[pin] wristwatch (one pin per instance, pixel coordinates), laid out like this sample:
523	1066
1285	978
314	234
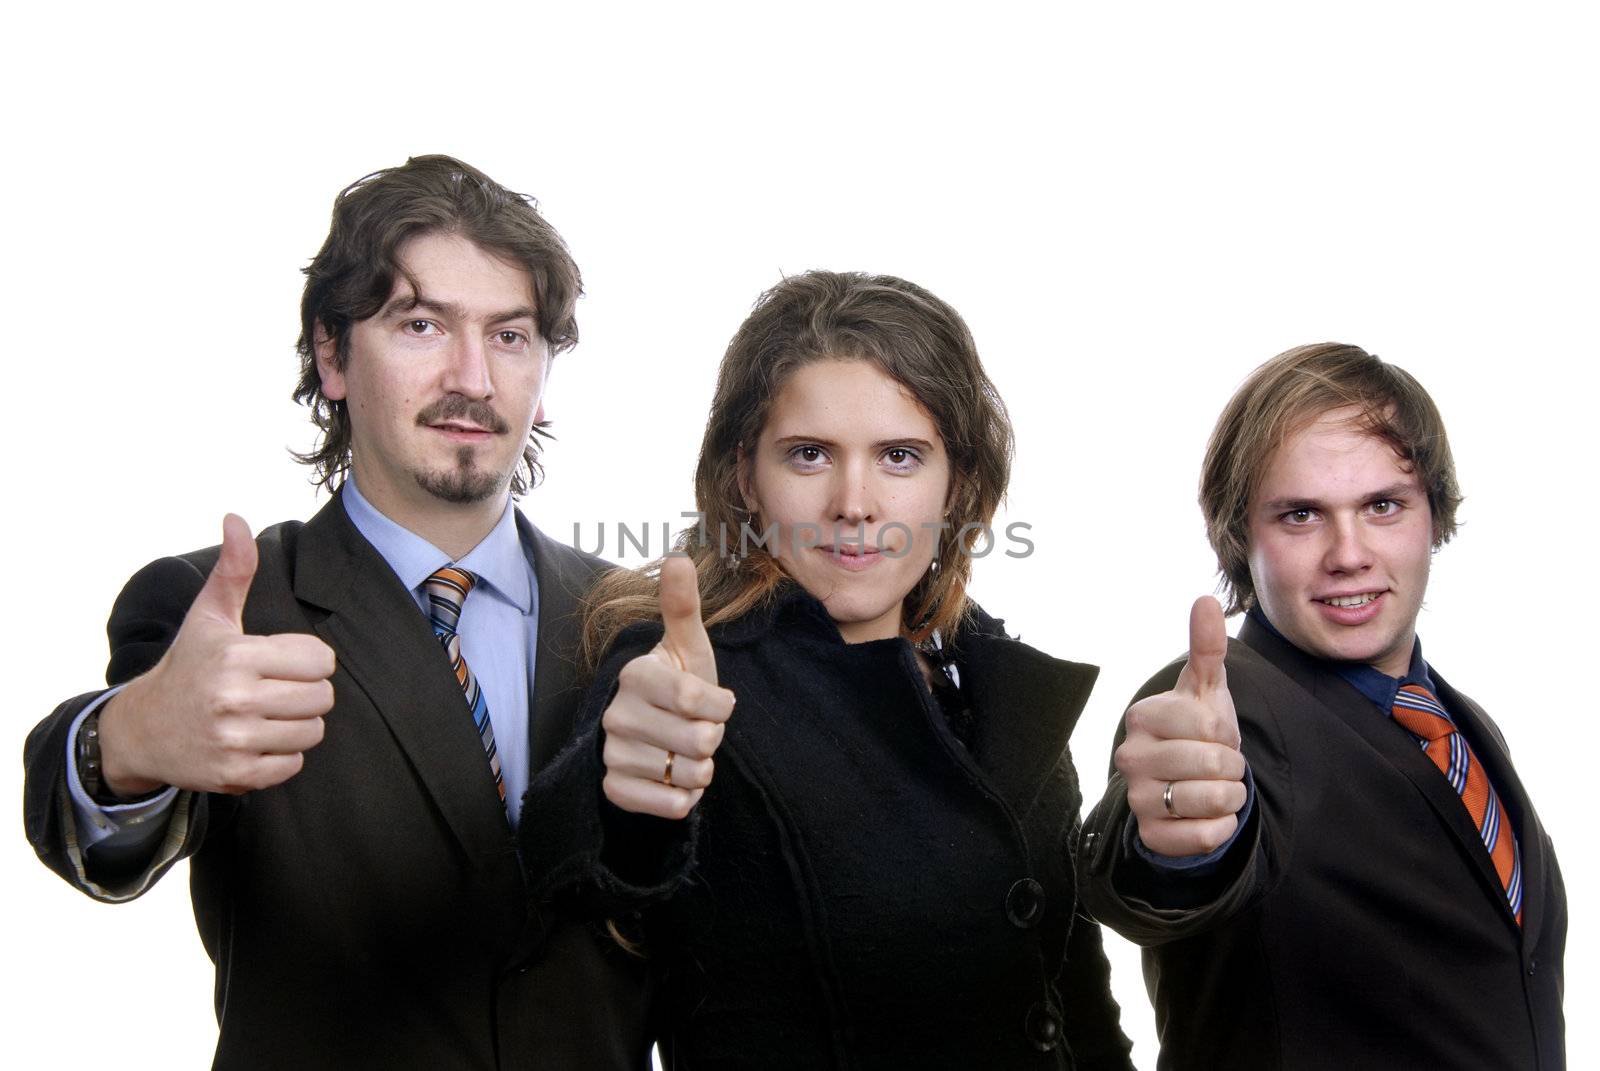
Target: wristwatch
88	752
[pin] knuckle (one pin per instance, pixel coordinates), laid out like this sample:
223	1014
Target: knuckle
632	671
685	693
707	737
1137	717
616	720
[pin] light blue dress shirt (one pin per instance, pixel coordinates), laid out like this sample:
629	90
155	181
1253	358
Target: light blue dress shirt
499	631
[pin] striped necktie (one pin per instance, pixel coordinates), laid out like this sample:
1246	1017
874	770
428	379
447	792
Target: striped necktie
1421	713
447	590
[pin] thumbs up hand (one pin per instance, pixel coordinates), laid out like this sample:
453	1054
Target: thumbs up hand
668	715
221	711
1180	756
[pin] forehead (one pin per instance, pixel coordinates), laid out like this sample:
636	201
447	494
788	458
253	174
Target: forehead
1332	456
845	398
452	268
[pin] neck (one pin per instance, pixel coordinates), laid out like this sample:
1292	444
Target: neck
453	527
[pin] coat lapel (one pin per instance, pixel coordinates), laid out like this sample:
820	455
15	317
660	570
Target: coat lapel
384	643
1394	746
1030	703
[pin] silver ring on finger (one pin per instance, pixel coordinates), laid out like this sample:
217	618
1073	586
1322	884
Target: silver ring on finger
666	774
1166	798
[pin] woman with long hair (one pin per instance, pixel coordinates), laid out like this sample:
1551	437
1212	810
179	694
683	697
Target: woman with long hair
837	818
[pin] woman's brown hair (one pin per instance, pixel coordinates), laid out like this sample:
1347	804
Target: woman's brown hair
915	339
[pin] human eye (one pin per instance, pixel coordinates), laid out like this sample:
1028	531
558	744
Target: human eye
902	458
1297	518
511	338
807	456
420	328
1384	507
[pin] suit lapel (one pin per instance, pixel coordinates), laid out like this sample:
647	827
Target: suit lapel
384	643
1393	744
564	577
1490	750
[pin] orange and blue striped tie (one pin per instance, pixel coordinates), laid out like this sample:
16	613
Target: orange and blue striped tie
1424	717
446	590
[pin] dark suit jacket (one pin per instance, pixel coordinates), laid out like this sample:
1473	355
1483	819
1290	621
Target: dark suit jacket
370	911
1357	921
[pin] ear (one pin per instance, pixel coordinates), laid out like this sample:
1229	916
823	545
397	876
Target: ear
747	489
952	496
332	376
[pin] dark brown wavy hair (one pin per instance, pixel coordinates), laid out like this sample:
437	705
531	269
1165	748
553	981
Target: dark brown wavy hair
1283	396
905	332
354	273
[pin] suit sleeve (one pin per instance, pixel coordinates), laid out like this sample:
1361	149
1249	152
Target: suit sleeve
581	852
143	623
1093	1017
1151	907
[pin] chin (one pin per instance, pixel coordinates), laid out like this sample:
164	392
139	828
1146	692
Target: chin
462	486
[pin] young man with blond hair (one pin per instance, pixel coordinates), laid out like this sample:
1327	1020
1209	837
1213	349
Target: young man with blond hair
1321	844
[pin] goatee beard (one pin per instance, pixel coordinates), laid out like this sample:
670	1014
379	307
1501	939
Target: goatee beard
463	484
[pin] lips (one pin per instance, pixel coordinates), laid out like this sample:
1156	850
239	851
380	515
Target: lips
852	556
466	432
1353	609
1350	601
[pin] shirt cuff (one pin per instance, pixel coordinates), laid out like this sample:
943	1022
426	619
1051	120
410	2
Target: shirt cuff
123	826
1195	866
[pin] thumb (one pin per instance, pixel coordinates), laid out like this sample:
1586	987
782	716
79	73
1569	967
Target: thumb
222	597
1205	672
686	640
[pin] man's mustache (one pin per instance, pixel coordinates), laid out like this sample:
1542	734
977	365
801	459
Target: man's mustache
459	407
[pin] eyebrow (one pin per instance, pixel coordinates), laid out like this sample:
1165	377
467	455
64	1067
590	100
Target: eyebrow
1394	490
449	310
913	441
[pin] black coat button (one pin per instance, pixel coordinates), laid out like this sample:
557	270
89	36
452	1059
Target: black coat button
1025	904
1043	1026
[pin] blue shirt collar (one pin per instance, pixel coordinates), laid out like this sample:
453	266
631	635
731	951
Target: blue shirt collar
1375	684
499	560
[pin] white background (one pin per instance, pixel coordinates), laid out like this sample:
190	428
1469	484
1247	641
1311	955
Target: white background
1132	209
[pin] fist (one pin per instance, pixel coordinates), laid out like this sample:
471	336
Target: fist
1180	755
222	711
668	716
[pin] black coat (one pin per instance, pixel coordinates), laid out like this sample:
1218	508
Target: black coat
1358	922
369	911
856	888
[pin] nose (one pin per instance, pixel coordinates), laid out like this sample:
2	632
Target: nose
852	503
466	370
1347	550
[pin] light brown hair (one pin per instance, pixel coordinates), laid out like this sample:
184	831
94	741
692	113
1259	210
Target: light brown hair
1283	396
905	332
354	273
